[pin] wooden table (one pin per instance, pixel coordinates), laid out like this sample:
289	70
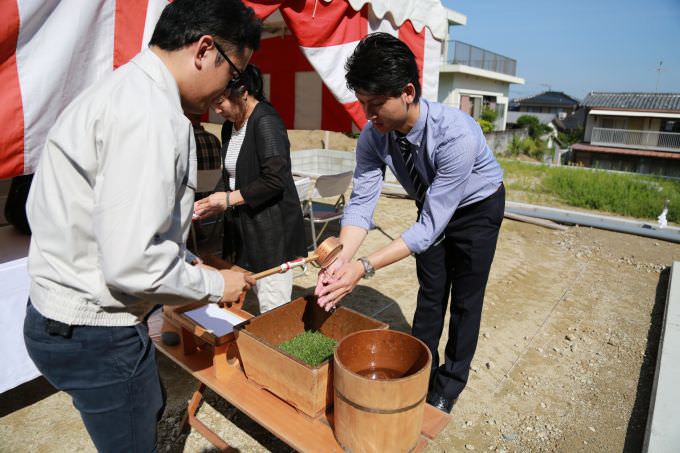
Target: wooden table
301	432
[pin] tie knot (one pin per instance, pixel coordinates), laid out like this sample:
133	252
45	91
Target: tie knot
404	144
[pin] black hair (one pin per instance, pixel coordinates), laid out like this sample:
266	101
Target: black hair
183	22
251	81
382	65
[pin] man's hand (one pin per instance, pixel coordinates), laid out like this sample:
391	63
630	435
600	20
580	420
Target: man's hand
234	284
210	206
327	275
337	283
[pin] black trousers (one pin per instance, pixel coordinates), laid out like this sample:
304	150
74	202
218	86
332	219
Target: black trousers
459	264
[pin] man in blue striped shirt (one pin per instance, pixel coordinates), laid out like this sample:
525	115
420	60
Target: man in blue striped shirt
440	157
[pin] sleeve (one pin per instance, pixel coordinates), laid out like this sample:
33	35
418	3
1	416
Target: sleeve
454	159
366	184
272	147
220	186
136	212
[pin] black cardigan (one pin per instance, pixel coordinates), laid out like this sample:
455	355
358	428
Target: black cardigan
268	229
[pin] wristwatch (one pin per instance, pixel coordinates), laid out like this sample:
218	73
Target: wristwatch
368	267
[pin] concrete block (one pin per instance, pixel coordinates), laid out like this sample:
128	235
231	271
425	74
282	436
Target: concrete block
662	435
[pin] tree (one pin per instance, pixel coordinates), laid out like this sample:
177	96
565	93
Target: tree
571	136
487	120
489	114
536	129
485	125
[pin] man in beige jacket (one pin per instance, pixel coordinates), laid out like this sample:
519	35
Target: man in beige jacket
110	209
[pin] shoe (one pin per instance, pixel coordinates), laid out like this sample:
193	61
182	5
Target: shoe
441	402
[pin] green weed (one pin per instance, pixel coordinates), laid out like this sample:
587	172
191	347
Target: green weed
630	195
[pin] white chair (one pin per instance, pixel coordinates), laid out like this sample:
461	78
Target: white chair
206	180
302	184
315	212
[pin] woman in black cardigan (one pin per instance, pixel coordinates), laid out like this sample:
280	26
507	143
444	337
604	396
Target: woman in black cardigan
263	218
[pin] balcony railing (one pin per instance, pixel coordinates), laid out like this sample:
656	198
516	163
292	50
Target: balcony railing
626	138
462	53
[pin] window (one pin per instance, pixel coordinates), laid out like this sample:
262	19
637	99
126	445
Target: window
465	104
613	122
607	123
670	126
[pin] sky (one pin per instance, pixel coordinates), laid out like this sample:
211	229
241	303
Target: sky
578	46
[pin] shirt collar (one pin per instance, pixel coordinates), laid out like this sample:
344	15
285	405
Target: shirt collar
417	132
154	67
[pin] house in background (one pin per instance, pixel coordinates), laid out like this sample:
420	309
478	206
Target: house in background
573	121
553	102
472	79
636	132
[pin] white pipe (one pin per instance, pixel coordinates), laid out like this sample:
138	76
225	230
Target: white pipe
597	221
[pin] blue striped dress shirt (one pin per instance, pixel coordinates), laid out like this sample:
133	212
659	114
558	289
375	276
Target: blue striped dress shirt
451	157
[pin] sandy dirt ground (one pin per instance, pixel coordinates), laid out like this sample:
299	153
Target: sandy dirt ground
565	359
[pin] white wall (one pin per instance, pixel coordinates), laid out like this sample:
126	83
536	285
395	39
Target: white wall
453	85
590	123
468	82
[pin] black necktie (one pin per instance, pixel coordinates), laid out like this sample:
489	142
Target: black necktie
405	148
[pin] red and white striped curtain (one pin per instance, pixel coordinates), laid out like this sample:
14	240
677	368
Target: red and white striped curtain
307	84
50	50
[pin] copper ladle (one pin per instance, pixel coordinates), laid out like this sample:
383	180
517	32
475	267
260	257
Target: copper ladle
324	255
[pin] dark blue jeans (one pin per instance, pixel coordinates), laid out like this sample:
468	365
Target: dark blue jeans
111	374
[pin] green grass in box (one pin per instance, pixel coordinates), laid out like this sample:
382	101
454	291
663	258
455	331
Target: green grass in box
312	347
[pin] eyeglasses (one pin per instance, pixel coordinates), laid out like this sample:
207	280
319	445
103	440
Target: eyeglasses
234	79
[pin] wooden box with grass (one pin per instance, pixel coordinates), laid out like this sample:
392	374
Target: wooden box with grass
302	325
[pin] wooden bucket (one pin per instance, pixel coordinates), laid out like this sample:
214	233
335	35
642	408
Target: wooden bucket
380	381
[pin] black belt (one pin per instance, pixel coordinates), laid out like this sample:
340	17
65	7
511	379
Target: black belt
419	204
53	327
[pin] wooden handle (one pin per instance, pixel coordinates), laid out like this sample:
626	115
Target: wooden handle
324	255
285	267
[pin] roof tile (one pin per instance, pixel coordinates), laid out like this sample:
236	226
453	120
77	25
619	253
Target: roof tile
634	101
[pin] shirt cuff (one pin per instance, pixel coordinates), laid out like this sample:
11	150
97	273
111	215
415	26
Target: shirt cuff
215	285
356	220
413	238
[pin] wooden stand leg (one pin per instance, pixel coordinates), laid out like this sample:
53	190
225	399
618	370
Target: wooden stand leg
188	342
191	420
220	364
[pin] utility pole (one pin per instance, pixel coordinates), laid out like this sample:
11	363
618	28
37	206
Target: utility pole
658	76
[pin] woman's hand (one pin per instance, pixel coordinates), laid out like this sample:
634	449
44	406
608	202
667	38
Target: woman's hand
213	205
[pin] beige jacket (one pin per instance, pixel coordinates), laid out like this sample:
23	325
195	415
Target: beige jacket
111	203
